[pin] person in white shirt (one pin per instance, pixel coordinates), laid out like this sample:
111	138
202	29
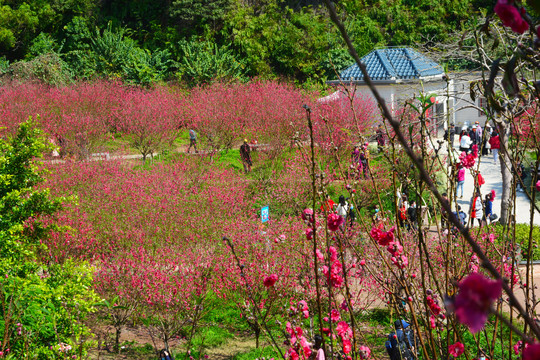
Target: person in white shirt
465	142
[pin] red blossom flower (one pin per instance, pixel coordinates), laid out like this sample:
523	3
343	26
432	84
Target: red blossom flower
364	351
335	315
344	330
320	255
307	215
456	349
432	322
531	352
475	151
303	307
306	347
467	160
292	355
333	274
382	237
395	248
474	300
400	261
309	234
433	306
334	221
270	280
517	347
346	346
510	16
538	182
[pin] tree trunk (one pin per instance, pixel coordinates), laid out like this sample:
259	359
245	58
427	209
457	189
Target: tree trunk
506	171
117	340
257	335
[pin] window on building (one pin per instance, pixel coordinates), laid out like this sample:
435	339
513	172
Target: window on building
439	111
482	104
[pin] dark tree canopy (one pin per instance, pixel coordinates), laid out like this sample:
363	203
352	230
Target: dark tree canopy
270	38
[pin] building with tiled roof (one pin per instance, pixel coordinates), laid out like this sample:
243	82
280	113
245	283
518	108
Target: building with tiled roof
395	65
401	74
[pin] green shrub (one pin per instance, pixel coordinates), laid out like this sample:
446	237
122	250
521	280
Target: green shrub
49	68
521	239
205	61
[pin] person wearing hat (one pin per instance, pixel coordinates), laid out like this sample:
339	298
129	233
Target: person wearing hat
478	136
245	154
472	134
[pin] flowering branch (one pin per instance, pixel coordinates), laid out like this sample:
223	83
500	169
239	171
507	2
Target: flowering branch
425	176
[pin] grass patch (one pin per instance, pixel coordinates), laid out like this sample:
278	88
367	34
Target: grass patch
266	352
210	337
231	159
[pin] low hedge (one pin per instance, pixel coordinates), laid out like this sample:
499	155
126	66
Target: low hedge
521	238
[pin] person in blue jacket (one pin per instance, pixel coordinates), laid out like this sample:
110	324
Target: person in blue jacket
401	343
488	208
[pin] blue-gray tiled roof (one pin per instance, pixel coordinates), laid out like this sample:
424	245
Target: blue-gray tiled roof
393	64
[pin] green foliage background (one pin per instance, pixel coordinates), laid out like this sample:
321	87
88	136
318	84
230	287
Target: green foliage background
196	41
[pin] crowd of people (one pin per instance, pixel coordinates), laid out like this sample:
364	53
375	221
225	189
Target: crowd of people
486	141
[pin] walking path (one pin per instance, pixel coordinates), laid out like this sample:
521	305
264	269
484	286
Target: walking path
491	173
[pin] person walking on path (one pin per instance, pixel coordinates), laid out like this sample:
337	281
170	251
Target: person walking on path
465	142
460	215
364	162
380	138
412	213
478	181
478	134
355	155
444	215
245	154
192	141
328	205
460	180
488	208
486	146
403	206
343	208
521	174
495	143
476	209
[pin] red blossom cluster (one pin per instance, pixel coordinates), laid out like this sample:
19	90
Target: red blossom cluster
511	16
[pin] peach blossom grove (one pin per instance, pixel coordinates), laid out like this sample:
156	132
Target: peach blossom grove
295	229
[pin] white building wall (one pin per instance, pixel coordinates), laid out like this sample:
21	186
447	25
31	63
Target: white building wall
466	110
395	96
454	97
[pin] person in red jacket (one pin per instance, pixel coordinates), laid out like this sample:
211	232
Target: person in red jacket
479	181
495	143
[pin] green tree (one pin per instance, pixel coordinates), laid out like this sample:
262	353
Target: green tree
196	14
22	21
43	305
277	41
205	62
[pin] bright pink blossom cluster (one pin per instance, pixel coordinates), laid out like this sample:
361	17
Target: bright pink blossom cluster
474	301
467	160
456	349
300	347
511	16
334	272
